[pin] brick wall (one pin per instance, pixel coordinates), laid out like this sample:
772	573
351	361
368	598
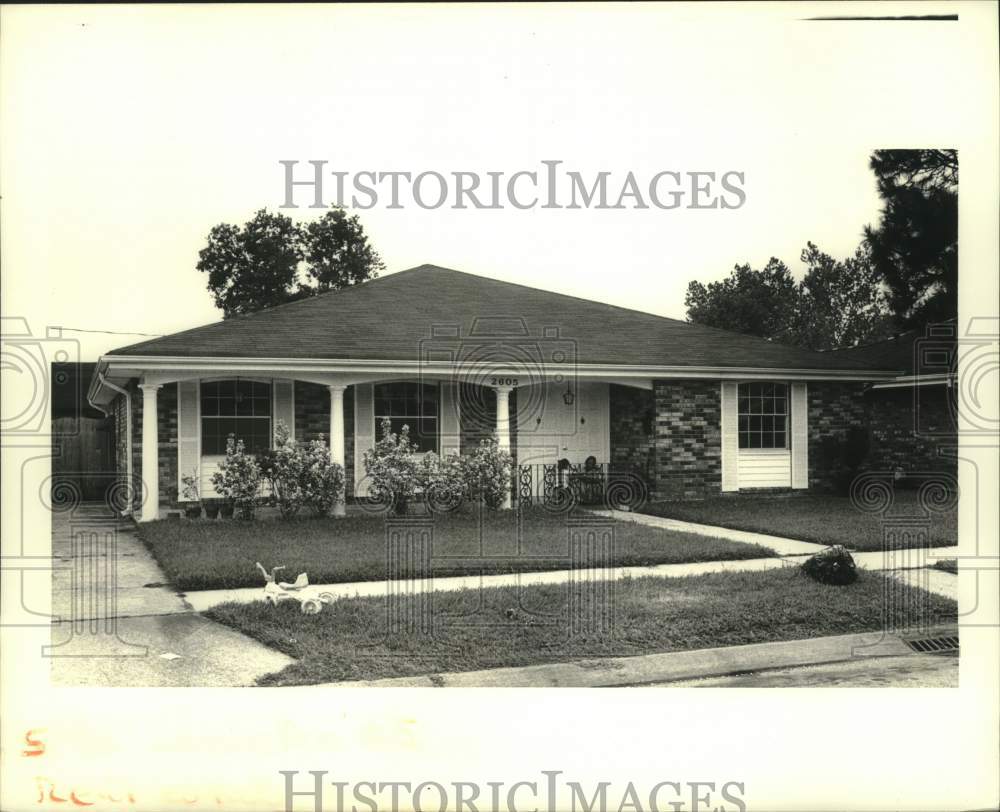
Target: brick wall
688	439
632	415
909	427
834	410
312	422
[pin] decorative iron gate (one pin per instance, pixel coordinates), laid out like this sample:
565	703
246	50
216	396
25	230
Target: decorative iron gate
597	485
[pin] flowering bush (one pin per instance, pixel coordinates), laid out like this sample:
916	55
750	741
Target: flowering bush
302	474
238	478
487	473
190	482
393	468
322	480
443	481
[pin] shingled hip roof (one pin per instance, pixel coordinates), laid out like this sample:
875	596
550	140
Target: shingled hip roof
400	317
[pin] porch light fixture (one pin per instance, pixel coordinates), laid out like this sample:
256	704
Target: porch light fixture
568	396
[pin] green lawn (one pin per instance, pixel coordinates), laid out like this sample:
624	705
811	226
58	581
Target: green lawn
806	517
496	628
221	554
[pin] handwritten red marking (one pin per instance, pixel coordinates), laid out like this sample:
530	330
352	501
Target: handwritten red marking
37	745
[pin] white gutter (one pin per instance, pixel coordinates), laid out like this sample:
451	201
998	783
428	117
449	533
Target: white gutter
947	379
356	366
102	381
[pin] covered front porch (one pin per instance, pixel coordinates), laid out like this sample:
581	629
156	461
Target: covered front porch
558	423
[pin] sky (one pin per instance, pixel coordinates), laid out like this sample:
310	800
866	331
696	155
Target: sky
128	132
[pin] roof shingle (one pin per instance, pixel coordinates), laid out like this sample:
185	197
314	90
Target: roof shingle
391	318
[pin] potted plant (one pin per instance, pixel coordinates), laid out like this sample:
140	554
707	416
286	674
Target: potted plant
212	508
192	507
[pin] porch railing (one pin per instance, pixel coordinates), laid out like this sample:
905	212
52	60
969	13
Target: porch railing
597	485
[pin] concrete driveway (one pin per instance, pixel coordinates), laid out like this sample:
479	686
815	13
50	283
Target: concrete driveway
116	623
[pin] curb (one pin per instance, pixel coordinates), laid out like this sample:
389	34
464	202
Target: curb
618	672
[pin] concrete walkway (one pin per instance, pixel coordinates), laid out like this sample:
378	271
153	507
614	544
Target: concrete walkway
116	624
669	668
206	599
777	544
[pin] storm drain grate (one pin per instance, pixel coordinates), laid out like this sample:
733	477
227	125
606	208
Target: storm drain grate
933	645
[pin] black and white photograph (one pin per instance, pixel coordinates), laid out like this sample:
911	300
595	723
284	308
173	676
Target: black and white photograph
517	348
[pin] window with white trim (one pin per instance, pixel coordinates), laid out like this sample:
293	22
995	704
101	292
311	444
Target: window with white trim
762	410
406	403
238	407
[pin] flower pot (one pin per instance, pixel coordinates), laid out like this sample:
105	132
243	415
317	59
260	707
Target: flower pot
193	510
227	509
212	510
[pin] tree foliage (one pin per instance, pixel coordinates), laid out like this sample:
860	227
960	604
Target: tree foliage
271	260
914	247
757	302
837	303
903	275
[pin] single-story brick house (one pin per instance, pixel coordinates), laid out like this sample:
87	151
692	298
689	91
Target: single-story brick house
696	410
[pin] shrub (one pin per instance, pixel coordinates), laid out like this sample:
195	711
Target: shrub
844	456
487	472
443	481
301	474
190	482
322	480
238	478
833	566
283	469
393	468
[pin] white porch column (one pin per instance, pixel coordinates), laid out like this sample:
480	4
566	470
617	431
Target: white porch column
150	453
337	434
503	426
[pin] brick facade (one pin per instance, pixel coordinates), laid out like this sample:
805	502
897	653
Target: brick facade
911	430
688	439
632	415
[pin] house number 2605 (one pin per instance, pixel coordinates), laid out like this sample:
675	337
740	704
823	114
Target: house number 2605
503	381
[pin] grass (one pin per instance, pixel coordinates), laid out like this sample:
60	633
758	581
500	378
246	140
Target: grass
807	517
221	555
947	565
495	628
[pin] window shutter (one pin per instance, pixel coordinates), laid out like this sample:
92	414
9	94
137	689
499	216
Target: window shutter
364	434
799	436
730	438
284	406
188	434
451	434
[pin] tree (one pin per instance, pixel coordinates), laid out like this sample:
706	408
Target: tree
338	252
914	248
841	304
263	263
760	303
837	304
252	267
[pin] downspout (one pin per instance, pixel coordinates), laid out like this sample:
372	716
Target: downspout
128	436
